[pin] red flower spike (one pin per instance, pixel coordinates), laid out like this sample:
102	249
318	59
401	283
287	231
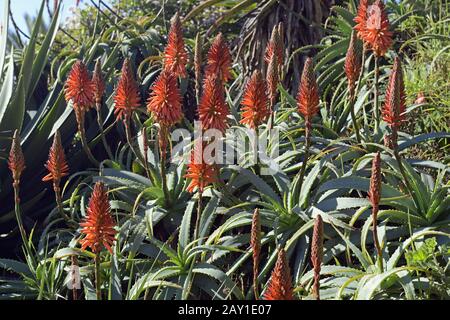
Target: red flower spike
98	226
317	254
376	32
280	283
273	79
99	84
275	45
255	244
16	160
352	64
165	99
79	88
213	110
219	59
375	183
175	55
308	94
361	18
199	172
127	98
255	103
56	163
395	100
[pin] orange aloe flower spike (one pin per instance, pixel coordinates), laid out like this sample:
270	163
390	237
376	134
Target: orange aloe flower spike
98	227
317	254
127	98
376	33
255	104
308	96
79	88
175	55
352	64
361	18
56	163
16	160
213	109
219	59
99	84
165	99
255	243
275	45
395	100
199	172
280	283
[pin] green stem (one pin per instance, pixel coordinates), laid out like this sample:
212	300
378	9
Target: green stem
98	284
377	242
145	156
199	215
130	141
307	153
162	153
403	173
376	100
102	132
80	118
59	204
354	120
18	215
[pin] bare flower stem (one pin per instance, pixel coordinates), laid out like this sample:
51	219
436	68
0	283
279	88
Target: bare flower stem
376	100
199	214
18	214
59	204
98	284
80	119
162	154
74	283
145	155
102	131
376	241
308	130
354	120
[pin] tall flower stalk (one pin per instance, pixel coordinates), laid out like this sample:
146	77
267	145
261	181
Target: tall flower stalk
58	168
164	105
394	114
99	91
272	80
317	255
308	107
219	59
372	25
352	69
126	101
274	57
255	103
280	283
201	175
16	164
213	110
255	243
98	229
175	55
374	197
79	89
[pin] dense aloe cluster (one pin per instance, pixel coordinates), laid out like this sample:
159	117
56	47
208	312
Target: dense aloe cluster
337	205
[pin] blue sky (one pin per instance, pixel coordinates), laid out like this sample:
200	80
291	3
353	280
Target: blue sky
21	7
